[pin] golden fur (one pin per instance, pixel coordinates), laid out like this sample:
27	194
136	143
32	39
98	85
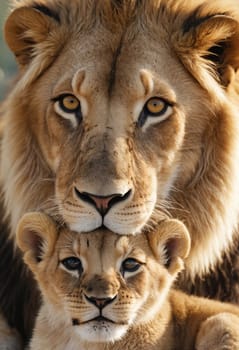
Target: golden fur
186	165
113	57
126	280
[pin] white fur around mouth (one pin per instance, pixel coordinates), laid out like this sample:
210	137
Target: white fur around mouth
98	319
100	329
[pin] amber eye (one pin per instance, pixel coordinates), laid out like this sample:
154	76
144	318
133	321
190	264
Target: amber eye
156	106
155	110
72	263
130	265
69	103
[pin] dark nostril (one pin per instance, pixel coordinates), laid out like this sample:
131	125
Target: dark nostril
119	198
84	196
100	302
102	203
75	322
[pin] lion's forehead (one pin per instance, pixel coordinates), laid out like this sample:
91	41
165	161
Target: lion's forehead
101	250
119	70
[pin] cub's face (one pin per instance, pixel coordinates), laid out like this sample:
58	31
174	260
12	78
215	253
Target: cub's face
101	283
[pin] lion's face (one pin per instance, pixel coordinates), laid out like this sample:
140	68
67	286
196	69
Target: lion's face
101	283
113	161
112	129
114	147
121	114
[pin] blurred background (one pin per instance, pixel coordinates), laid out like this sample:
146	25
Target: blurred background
7	63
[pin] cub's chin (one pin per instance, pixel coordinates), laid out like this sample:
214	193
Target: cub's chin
97	331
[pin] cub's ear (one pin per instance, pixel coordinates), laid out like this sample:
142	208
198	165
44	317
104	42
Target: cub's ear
211	41
36	236
171	244
26	27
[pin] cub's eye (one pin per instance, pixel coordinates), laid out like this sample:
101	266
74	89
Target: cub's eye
69	103
156	106
155	110
72	263
130	265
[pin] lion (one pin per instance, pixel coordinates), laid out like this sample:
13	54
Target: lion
107	291
123	112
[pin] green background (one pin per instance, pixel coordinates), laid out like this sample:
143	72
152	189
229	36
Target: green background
7	63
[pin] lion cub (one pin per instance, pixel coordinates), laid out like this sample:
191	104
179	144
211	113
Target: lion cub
103	291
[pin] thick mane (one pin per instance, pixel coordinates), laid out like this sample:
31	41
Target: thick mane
175	18
178	15
82	14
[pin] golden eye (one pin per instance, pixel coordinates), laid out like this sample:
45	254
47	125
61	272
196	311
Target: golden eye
69	103
156	106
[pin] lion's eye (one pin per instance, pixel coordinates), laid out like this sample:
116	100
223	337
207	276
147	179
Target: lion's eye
156	106
130	265
68	107
155	110
69	103
72	263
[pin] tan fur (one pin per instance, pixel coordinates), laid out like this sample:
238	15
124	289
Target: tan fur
114	56
141	312
186	165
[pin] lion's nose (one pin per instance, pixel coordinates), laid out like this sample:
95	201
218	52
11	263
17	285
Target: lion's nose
102	203
100	302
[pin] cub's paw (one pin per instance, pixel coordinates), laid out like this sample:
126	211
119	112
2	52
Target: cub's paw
9	338
219	332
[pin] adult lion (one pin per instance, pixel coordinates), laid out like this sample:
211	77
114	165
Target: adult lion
123	111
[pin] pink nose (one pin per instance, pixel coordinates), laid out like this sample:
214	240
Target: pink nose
102	203
100	302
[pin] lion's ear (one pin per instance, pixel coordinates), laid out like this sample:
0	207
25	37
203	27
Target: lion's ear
36	236
25	28
171	244
212	40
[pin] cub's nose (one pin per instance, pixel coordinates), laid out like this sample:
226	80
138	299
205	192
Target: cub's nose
102	203
100	302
